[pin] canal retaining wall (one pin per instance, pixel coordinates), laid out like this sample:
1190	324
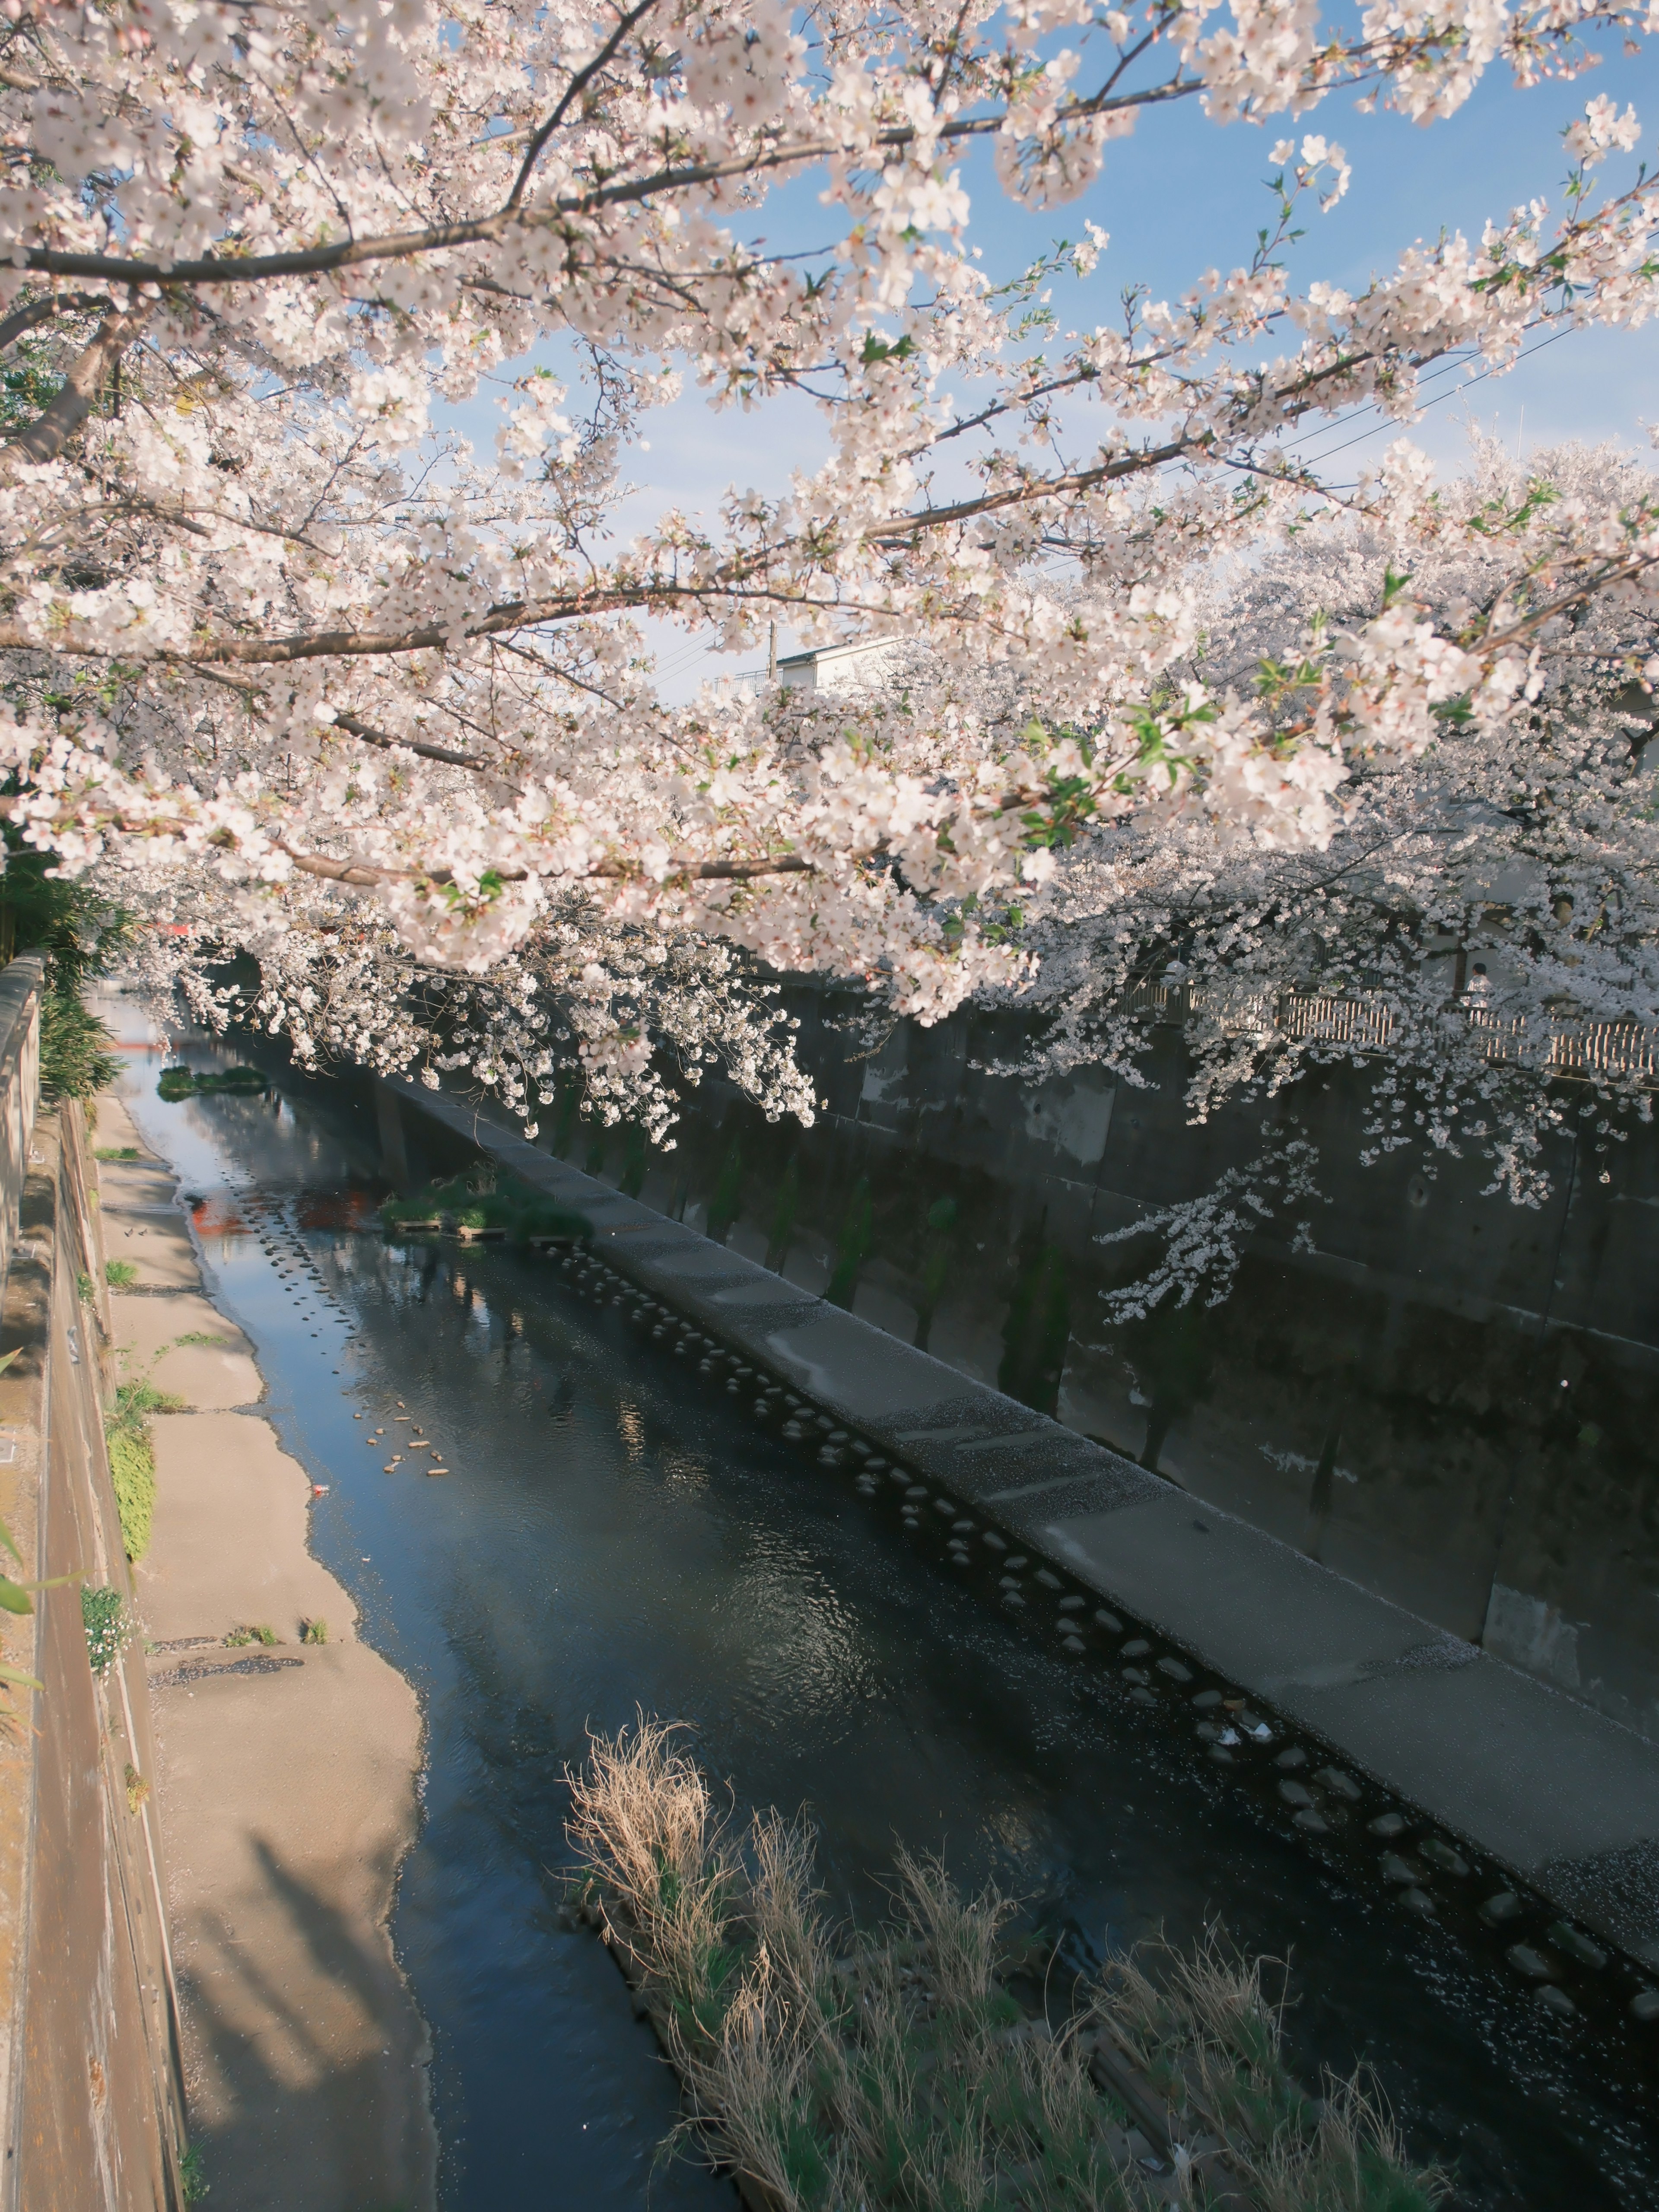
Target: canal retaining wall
1434	1740
1449	1398
90	2082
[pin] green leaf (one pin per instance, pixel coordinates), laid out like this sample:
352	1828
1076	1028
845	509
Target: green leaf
17	1674
10	1543
1393	582
15	1596
877	350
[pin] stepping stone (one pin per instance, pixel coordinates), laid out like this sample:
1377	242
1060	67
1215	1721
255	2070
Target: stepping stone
1443	1856
1343	1785
1565	1937
1525	1960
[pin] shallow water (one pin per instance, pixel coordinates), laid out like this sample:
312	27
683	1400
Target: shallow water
610	1535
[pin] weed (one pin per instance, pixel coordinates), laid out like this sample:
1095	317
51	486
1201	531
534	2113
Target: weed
896	2072
260	1633
109	1625
120	1275
202	1336
80	933
132	1457
85	1289
137	1790
75	1056
646	1820
313	1631
176	1083
107	1152
486	1201
192	2180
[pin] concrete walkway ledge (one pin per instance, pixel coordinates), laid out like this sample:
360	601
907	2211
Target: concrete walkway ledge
1565	1797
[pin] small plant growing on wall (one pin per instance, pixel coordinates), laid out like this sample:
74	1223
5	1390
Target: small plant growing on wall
108	1626
132	1457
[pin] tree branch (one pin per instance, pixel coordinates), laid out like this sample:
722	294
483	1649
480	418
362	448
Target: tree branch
42	310
371	736
45	437
368	875
485	230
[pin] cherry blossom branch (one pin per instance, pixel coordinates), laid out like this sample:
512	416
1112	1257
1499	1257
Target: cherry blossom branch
44	439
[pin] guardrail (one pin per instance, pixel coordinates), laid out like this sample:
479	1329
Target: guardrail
1586	1049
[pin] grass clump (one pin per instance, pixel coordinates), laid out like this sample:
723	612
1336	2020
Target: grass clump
120	1275
108	1153
313	1631
108	1625
175	1084
263	1633
486	1201
81	934
193	2180
899	2071
132	1458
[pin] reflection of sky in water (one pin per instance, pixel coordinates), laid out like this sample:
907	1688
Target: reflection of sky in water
611	1536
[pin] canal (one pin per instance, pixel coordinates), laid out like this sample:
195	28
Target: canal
610	1536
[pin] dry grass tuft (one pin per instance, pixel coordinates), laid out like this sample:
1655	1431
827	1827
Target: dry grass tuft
837	2073
641	1816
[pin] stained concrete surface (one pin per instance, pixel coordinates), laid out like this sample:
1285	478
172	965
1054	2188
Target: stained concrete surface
144	1232
285	1778
209	1375
229	1546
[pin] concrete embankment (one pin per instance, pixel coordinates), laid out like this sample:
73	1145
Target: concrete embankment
1527	1780
90	2087
286	1771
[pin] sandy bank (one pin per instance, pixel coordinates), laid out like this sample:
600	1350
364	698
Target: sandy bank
286	1772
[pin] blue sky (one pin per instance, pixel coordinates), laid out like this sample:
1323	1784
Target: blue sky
1183	195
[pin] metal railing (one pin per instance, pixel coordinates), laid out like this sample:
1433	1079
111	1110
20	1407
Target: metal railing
1619	1050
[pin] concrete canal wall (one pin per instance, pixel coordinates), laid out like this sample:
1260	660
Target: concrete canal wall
90	2079
1449	1399
1485	1772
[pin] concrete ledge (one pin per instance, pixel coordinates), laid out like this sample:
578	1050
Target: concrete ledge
1566	1798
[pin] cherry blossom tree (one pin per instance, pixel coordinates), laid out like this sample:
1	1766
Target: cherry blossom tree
290	659
1483	920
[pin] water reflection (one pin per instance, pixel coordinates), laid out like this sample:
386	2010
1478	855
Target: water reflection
644	1546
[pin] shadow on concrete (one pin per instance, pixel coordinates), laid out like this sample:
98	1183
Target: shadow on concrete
321	2105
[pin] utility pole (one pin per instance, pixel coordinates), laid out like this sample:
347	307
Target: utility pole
772	656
